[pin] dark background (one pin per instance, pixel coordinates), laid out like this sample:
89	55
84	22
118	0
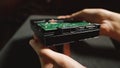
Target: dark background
13	13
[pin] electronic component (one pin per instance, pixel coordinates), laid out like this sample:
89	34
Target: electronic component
58	31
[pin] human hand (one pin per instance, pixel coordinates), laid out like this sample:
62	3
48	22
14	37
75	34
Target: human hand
110	21
52	59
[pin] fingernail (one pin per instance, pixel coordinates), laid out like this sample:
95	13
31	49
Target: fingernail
31	41
60	17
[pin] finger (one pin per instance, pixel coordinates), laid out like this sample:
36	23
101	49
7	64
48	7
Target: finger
87	15
76	14
64	17
61	17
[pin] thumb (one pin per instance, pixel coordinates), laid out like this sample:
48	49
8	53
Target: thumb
53	57
59	59
44	52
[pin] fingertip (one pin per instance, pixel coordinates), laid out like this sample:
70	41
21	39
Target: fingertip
64	17
31	42
34	43
61	17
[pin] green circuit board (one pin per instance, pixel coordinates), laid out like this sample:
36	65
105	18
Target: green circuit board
53	26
